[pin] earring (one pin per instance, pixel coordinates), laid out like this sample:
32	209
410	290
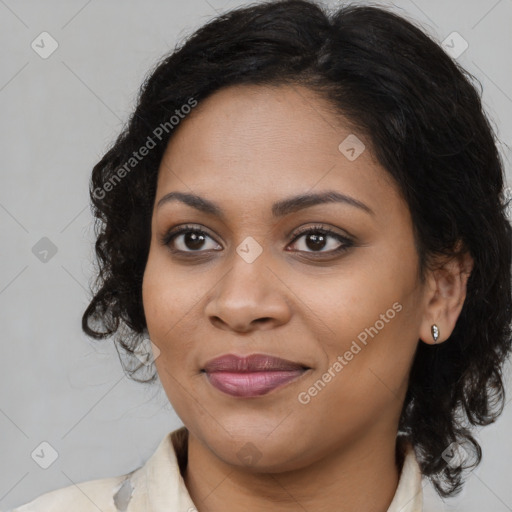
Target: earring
435	332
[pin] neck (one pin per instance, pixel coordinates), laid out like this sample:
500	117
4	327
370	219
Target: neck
362	477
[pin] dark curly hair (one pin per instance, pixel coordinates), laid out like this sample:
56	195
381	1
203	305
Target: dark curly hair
423	115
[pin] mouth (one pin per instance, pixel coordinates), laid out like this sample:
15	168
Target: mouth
251	376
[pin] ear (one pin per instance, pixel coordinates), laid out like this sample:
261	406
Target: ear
445	295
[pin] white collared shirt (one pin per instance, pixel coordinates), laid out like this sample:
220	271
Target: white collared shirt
158	486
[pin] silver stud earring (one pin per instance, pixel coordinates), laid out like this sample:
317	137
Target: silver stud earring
435	332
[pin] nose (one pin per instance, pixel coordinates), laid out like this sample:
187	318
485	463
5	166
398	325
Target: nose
250	296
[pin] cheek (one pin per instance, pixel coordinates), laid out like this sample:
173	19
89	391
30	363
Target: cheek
371	312
166	292
172	299
364	375
166	303
360	303
165	300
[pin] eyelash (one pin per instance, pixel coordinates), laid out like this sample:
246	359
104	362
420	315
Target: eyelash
346	243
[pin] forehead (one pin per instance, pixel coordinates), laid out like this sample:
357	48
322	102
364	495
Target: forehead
262	143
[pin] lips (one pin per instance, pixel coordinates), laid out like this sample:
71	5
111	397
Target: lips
254	375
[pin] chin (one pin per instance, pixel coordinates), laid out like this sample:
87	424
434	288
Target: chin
259	448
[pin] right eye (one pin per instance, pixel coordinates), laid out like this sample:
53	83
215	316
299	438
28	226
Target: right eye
188	239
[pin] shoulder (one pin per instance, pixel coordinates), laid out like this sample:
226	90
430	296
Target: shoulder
92	495
157	481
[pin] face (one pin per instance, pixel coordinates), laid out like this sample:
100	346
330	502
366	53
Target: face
330	285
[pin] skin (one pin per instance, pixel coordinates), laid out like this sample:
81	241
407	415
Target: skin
246	147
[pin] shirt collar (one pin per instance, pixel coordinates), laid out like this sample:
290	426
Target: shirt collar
409	493
158	486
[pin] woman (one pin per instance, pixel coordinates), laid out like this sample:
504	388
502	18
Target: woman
306	218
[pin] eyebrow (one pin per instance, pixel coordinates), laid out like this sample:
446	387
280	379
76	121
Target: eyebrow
279	209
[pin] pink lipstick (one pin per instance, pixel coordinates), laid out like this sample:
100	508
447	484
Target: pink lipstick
254	375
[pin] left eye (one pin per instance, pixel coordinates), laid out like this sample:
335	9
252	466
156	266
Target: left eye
317	239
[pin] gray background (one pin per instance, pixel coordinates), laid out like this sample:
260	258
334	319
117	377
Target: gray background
58	116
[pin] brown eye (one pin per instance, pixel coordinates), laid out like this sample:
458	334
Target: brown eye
321	240
189	239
